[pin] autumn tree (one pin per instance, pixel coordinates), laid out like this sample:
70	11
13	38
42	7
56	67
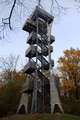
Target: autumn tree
11	81
69	68
10	94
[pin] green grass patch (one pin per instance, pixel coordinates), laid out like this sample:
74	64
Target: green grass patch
70	117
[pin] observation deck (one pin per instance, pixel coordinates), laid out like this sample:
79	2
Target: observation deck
27	87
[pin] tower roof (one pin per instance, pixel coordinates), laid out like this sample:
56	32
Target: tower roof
42	14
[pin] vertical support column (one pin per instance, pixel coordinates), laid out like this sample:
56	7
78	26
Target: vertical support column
54	97
42	71
49	33
34	101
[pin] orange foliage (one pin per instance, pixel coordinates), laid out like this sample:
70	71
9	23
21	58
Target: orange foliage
69	69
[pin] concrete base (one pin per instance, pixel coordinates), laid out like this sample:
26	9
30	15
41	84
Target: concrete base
23	101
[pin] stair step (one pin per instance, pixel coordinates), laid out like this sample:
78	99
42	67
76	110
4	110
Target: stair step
42	77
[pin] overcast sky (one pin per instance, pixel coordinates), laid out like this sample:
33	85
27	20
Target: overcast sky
66	32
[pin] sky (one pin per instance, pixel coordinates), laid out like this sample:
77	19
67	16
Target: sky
66	32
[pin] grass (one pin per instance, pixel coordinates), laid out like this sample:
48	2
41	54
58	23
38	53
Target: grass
70	117
41	117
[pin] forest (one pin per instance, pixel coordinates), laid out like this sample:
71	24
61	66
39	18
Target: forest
68	71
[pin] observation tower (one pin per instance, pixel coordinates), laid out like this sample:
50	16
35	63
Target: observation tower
39	92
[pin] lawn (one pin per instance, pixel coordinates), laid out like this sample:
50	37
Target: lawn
40	117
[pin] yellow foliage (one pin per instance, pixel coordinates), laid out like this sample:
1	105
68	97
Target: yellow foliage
70	70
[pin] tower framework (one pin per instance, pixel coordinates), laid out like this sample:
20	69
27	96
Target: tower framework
43	90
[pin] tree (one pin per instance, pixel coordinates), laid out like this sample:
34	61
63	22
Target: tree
11	85
10	94
69	69
18	9
8	67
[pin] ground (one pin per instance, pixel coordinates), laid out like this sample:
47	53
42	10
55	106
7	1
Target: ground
40	117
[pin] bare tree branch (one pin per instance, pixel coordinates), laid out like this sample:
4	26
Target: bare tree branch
23	5
13	4
9	63
57	10
11	14
8	67
8	20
